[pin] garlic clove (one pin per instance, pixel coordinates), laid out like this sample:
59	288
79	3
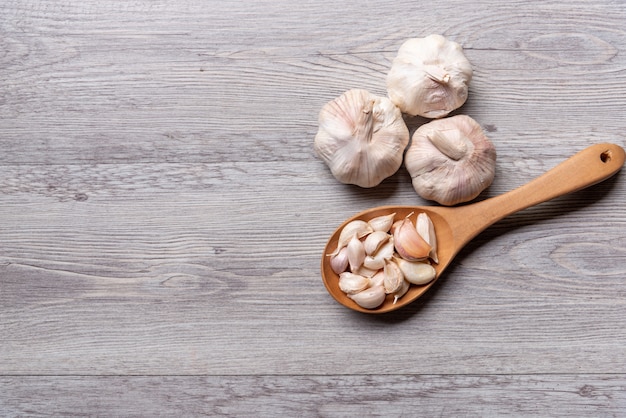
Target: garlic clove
377	279
386	251
416	272
361	137
370	298
429	77
377	260
450	142
408	243
382	223
451	160
426	229
351	283
356	253
367	272
402	291
373	263
393	277
374	241
358	227
396	225
339	262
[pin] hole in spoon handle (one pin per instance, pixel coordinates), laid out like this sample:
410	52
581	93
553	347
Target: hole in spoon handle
585	168
588	167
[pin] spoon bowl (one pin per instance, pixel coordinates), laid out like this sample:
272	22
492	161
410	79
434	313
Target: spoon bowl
456	226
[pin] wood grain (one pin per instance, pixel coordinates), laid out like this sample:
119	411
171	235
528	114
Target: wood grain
163	214
314	396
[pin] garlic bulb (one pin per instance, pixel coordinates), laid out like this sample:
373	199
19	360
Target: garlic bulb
361	138
451	160
429	77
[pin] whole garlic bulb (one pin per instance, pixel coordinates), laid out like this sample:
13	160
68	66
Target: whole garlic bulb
429	77
361	138
451	160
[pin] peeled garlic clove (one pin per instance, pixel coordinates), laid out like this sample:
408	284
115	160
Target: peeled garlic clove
451	160
351	283
393	277
356	253
370	298
339	262
358	227
409	244
374	241
361	138
416	272
382	223
429	77
426	229
402	291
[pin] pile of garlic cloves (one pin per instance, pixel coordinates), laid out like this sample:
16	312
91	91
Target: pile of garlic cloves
384	256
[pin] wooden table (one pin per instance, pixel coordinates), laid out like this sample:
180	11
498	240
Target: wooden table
163	213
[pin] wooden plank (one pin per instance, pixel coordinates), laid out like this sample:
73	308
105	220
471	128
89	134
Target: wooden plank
314	396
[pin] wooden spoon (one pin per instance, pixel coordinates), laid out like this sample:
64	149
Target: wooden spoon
456	226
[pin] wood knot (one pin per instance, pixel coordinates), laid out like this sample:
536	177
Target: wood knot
80	197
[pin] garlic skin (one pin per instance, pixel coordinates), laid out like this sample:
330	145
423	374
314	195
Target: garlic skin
394	277
429	77
408	242
451	160
366	272
378	279
401	292
382	223
374	241
416	272
370	298
339	262
361	138
351	283
426	229
358	227
356	253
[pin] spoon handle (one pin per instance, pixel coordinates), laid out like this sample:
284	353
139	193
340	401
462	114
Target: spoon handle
588	167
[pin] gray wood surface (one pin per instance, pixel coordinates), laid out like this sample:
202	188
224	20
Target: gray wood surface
163	214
